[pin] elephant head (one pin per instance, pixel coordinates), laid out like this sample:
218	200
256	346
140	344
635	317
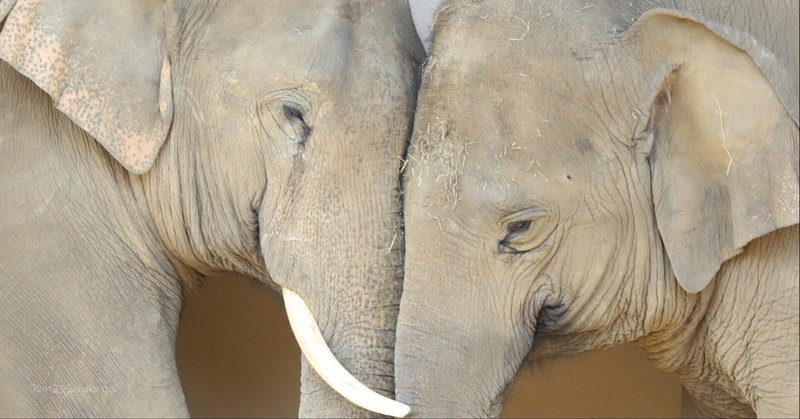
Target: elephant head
258	137
578	174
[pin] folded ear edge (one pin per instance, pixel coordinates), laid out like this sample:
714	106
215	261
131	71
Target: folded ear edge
765	59
732	212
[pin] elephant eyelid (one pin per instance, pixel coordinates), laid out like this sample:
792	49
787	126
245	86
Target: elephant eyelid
504	247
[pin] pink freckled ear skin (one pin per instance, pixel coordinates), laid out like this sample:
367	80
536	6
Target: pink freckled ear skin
88	71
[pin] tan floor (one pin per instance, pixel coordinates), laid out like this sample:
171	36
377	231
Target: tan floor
237	358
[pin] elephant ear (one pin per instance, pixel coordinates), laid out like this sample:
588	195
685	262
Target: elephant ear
104	63
724	157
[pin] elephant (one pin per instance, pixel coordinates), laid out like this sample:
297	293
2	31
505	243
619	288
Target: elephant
584	174
146	145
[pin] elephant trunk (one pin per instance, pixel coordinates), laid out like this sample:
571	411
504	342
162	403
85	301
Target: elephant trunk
443	368
441	374
455	352
332	230
319	356
358	329
342	254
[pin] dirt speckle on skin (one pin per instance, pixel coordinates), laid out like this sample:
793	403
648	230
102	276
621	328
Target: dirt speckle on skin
350	11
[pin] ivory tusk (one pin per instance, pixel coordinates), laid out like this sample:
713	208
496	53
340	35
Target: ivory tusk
319	355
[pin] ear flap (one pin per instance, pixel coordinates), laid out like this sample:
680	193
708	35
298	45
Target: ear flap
104	63
725	141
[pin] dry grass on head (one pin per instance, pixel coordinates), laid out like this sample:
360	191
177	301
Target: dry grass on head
440	151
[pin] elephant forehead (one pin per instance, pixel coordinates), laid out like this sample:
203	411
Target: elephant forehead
516	49
474	174
294	44
494	135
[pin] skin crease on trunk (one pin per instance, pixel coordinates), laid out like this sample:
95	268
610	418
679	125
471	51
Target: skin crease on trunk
533	227
282	163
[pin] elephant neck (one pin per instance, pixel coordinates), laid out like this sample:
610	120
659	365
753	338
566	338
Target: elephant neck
682	347
199	217
734	345
81	267
74	211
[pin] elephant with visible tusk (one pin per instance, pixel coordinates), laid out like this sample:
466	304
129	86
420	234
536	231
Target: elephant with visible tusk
147	144
588	173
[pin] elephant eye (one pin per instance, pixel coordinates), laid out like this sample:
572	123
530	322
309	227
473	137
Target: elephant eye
292	112
286	114
513	229
298	123
526	230
518	227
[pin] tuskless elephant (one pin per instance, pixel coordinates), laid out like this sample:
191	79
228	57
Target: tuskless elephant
588	173
147	144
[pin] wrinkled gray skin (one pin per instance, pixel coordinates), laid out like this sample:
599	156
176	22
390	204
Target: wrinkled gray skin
576	167
281	162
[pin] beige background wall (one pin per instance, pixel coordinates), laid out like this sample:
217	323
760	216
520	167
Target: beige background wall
237	358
